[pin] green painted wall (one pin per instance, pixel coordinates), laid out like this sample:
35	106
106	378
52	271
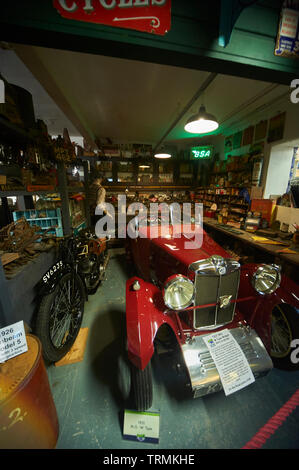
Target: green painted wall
192	41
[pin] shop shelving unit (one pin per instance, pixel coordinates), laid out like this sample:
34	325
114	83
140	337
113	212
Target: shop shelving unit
228	197
46	219
23	287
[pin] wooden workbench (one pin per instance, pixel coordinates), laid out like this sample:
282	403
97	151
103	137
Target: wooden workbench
289	262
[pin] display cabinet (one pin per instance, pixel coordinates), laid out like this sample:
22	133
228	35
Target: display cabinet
125	172
166	172
145	173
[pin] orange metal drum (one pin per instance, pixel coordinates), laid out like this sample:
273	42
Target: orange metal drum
28	417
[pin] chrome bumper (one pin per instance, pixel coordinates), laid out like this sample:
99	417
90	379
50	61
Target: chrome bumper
203	373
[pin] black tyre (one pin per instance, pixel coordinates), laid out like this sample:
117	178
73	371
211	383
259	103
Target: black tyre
142	387
60	316
124	368
284	329
124	380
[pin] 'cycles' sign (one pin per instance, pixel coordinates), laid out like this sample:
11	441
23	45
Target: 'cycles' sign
151	16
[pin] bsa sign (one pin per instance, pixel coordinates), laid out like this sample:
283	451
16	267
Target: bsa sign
150	16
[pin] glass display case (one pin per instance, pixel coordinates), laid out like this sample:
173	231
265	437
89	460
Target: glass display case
75	176
166	172
145	173
125	172
77	212
105	168
186	173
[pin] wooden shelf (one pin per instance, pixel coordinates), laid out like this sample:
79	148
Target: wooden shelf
17	193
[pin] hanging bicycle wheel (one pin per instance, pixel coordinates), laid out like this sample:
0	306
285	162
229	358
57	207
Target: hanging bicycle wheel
60	316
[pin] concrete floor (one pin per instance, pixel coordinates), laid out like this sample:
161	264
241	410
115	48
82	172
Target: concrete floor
90	410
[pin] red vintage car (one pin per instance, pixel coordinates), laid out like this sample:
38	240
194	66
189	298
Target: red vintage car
184	295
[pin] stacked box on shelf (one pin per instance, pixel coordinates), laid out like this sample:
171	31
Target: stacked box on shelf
43	218
265	206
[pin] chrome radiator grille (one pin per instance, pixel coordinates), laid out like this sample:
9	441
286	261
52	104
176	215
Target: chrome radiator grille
216	281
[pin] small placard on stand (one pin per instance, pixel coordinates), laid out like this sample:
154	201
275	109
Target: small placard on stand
141	426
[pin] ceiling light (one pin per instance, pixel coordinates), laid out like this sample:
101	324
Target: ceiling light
144	166
162	153
201	123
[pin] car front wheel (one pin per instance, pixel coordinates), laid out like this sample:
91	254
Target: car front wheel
142	387
284	332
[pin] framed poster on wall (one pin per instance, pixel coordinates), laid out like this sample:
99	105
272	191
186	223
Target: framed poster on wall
248	136
228	144
276	128
237	140
260	132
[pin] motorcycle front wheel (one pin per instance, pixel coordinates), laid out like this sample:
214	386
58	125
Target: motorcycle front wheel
59	317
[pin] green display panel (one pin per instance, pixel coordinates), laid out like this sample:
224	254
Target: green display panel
201	153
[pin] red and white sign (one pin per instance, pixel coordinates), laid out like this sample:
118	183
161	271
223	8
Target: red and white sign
151	16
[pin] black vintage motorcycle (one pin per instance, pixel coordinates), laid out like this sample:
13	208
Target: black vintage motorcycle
64	289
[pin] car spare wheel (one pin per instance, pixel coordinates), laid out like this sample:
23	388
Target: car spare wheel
142	387
284	333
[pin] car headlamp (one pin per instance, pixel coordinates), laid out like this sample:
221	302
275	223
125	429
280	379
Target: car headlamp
178	292
267	279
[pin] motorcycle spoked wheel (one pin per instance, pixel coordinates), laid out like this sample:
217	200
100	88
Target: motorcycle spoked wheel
59	317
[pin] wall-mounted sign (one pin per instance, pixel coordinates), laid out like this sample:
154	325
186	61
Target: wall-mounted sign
201	153
287	41
150	16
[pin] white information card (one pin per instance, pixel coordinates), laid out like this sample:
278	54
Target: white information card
231	363
141	426
12	341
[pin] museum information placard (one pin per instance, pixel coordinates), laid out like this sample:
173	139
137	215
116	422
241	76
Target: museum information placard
231	363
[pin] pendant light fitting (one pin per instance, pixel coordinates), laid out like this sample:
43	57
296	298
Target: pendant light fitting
162	155
202	122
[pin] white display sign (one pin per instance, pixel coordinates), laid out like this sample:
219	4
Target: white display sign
12	341
231	363
2	91
141	426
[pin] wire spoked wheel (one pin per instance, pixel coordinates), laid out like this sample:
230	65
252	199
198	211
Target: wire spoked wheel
284	328
60	317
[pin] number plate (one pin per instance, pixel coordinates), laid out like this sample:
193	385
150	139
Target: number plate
56	267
